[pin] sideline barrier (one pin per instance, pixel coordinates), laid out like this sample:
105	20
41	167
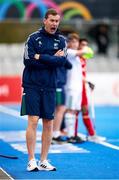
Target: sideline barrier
106	88
10	89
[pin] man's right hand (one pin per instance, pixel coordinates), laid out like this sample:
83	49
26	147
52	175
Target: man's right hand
37	56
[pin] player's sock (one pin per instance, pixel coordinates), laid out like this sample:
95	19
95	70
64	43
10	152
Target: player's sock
76	125
88	123
56	134
70	124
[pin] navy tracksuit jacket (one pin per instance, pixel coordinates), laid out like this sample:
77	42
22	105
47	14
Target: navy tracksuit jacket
49	70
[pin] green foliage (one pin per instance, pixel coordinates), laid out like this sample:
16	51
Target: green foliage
16	32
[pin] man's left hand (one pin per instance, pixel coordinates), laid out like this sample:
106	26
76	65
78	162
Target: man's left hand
91	85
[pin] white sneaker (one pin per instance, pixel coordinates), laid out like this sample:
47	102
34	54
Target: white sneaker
32	165
102	138
45	166
96	138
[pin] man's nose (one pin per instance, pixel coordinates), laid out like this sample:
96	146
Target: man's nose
55	23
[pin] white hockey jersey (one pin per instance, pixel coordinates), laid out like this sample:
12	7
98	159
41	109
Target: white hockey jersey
74	76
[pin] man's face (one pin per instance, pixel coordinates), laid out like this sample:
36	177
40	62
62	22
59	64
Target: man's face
83	44
52	23
73	44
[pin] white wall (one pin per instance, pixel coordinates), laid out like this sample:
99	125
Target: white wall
106	88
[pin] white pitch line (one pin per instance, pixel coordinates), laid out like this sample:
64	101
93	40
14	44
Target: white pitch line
6	173
15	113
11	112
109	145
104	143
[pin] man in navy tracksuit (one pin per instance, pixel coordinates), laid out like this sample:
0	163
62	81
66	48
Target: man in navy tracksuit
44	57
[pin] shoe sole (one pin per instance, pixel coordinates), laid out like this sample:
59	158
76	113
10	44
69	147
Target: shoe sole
33	170
43	169
58	142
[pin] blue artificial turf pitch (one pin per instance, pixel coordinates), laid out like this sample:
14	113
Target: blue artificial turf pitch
82	161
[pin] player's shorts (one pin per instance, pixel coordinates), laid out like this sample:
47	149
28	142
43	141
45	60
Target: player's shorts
60	96
38	103
73	99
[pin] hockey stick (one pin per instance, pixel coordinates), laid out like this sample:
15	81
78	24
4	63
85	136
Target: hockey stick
93	109
93	115
9	157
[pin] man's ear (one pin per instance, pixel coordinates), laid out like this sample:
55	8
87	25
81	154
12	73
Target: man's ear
44	21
